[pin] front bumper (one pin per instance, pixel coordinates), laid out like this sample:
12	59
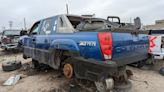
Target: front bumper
158	55
9	46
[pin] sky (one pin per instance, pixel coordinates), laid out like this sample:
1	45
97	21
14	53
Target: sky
33	10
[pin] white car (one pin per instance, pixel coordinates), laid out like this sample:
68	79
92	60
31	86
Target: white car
156	43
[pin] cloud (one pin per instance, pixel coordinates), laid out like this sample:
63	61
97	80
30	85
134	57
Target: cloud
33	10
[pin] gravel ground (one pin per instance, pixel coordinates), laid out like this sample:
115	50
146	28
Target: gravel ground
53	81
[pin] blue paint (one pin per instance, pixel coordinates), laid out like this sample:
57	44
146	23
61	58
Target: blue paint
124	44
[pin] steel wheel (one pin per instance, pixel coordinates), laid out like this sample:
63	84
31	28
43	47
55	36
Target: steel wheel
68	71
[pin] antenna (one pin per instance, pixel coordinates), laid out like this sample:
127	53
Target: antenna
24	20
67	8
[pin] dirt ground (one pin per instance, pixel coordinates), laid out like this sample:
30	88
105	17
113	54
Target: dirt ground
53	81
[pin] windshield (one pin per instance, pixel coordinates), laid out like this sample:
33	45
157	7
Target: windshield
11	32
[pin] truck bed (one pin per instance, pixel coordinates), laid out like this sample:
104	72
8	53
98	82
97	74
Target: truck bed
127	47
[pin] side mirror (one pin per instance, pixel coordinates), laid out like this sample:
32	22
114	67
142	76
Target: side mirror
137	23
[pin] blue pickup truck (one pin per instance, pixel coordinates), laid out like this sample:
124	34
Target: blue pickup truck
88	48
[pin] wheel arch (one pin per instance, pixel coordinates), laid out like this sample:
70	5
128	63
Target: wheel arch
64	44
62	55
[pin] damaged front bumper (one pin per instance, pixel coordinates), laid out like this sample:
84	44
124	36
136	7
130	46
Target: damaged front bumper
9	46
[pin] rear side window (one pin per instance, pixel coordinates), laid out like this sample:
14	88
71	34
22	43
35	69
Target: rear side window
64	25
46	26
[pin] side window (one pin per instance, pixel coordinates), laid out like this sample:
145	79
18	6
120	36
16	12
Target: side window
54	25
64	26
35	29
62	23
46	27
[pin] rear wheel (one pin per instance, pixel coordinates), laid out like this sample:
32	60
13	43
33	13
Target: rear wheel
161	71
68	70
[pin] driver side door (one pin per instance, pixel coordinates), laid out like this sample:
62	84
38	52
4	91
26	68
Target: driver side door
30	41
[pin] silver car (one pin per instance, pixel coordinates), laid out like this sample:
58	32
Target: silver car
9	39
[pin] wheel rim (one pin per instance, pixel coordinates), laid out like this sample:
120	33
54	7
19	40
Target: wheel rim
68	71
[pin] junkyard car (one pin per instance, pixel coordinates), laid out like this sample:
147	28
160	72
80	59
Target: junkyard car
90	48
10	39
156	39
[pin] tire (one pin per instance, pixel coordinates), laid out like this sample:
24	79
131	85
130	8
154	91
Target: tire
11	65
68	70
126	87
161	71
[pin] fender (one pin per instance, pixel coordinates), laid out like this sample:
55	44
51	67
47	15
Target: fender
61	44
64	44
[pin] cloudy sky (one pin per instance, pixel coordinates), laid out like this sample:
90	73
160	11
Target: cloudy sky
33	10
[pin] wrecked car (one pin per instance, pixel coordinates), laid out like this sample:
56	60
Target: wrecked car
9	39
88	48
156	39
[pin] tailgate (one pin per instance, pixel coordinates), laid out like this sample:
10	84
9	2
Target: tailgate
129	48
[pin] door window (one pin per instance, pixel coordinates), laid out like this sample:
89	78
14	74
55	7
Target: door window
46	26
35	29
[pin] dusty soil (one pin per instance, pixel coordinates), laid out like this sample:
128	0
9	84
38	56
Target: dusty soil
49	80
